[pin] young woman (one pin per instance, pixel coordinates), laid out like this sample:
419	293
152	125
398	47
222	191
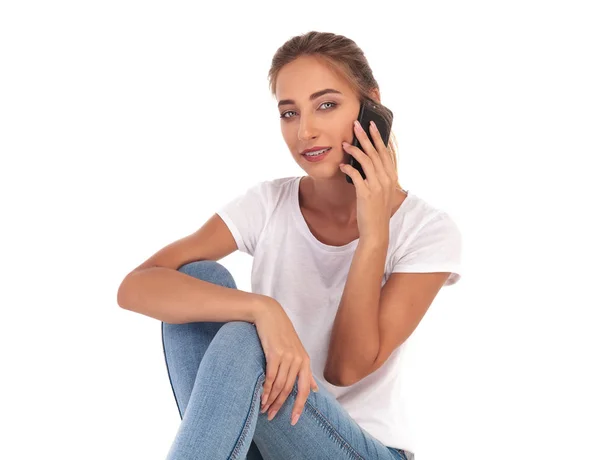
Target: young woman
342	275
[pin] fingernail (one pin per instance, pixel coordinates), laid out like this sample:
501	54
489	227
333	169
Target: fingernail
271	415
295	419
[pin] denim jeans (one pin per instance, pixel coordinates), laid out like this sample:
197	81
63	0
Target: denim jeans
217	371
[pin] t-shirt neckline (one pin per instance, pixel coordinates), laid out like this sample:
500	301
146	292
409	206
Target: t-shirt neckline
301	222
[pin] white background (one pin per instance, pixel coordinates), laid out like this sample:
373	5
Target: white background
124	126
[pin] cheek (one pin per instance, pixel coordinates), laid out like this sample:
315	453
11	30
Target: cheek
287	134
344	125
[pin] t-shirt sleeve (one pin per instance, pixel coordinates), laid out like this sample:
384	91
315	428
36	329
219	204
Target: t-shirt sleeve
435	247
246	216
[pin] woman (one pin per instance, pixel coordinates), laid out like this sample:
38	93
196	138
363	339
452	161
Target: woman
342	275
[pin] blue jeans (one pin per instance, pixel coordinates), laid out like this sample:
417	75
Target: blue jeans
217	371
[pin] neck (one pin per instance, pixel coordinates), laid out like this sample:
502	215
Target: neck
334	198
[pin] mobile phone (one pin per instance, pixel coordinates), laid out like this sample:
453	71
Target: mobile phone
383	117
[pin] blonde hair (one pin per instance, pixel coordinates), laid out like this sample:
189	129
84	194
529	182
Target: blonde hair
343	57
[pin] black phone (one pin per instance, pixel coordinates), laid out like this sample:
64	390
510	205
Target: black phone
383	117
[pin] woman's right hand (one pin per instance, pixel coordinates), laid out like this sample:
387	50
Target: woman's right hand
286	360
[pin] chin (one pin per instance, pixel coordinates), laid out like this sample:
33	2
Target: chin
326	173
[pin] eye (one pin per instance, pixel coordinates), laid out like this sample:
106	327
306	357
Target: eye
333	104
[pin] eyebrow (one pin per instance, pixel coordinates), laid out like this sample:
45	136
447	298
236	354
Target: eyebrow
312	96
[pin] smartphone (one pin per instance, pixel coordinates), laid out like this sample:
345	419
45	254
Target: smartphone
382	116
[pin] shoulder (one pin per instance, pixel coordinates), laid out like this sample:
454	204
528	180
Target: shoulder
268	188
428	240
280	182
265	195
417	212
422	221
275	190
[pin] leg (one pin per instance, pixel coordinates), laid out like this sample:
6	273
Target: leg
325	430
184	345
222	417
219	397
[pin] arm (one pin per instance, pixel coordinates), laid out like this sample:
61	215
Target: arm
354	342
372	322
175	297
157	288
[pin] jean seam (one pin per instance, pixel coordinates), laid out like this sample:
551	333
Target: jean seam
246	428
162	336
325	423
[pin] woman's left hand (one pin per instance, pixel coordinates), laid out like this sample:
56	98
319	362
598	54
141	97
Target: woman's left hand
375	194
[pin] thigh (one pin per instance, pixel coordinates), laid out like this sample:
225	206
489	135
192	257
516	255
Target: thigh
184	345
234	367
325	431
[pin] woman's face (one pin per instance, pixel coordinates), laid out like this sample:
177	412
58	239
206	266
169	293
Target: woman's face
325	121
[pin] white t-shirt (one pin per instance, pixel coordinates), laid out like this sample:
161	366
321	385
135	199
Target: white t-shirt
308	277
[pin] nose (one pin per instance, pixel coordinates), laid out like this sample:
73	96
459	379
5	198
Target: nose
306	130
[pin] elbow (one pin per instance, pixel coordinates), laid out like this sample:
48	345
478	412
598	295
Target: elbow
339	375
347	376
122	298
335	380
121	302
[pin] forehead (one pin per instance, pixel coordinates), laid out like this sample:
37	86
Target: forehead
304	76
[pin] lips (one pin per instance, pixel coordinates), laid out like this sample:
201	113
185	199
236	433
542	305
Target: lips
314	149
317	157
313	152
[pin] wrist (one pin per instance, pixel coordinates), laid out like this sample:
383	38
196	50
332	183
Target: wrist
375	242
262	304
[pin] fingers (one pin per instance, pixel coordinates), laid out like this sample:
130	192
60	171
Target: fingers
364	160
286	390
304	378
384	156
299	369
278	383
373	149
357	179
378	154
272	367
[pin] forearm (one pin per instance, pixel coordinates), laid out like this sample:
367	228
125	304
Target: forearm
354	342
175	297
